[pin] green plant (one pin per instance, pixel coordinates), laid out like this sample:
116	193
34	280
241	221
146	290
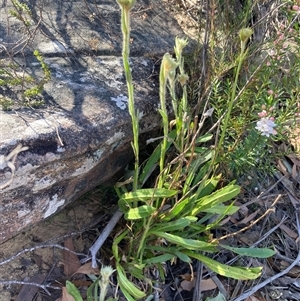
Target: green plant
266	90
171	219
98	290
15	78
21	11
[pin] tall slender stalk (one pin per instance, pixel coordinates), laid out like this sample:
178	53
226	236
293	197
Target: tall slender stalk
244	34
126	6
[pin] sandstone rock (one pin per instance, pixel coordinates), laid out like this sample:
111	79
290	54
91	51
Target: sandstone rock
81	136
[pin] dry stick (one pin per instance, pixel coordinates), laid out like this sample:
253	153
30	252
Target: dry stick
43	286
39	247
233	260
253	290
252	224
101	239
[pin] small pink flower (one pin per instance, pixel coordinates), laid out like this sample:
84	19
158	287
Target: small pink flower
270	92
264	107
263	113
272	118
296	7
272	52
271	109
268	63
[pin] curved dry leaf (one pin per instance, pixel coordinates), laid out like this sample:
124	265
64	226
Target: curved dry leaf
66	296
206	285
71	261
87	269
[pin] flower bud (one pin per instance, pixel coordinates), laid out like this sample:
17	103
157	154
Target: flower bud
179	45
245	34
126	4
169	65
182	78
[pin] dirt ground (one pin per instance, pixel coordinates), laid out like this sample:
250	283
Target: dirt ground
82	220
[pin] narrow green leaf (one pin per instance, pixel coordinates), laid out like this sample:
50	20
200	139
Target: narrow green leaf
204	138
73	291
207	187
179	224
239	273
190	244
252	252
153	160
175	211
116	241
160	258
183	257
148	194
139	212
221	209
135	271
127	287
193	170
91	289
220	196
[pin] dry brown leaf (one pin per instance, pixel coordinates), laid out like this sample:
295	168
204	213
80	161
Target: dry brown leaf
233	220
294	172
66	296
28	292
249	218
281	167
288	231
187	285
87	269
294	159
243	209
225	221
71	261
82	283
206	285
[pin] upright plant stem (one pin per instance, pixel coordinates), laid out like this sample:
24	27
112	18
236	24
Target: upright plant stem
231	101
125	17
164	114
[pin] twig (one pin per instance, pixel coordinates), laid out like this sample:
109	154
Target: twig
233	260
253	290
103	236
39	247
252	224
197	290
43	286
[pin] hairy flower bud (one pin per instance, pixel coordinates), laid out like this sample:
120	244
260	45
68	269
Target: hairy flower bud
169	65
126	4
182	78
245	34
179	45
